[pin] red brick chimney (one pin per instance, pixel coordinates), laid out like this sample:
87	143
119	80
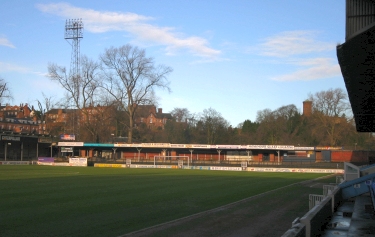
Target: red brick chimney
160	111
307	108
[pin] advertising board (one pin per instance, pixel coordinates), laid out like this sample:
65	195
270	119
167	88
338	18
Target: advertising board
10	138
70	144
227	147
66	149
127	145
46	163
78	161
142	166
271	147
328	148
202	146
67	137
61	164
225	168
46	159
14	162
156	145
197	167
328	171
102	165
178	146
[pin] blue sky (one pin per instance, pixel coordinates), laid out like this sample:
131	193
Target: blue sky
235	56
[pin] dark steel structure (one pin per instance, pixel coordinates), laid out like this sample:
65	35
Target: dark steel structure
357	61
74	32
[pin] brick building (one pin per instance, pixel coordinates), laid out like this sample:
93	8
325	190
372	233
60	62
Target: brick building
57	120
153	119
69	121
102	119
23	120
22	135
20	119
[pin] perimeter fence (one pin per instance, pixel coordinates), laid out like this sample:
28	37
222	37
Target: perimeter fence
227	163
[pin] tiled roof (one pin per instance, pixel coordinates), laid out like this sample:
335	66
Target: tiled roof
56	111
163	115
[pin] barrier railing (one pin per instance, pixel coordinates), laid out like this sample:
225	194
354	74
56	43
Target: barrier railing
314	200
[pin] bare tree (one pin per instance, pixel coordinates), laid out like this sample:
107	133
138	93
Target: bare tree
329	115
132	78
289	121
333	102
268	131
45	106
264	115
80	89
213	124
5	93
181	114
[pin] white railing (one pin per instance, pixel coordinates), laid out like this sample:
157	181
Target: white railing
328	189
314	200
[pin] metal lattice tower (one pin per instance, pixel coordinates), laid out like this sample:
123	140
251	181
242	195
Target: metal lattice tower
74	32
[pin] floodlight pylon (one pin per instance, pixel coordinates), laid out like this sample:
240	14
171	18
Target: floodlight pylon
74	33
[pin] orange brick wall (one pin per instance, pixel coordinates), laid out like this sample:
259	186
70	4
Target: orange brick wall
351	156
272	157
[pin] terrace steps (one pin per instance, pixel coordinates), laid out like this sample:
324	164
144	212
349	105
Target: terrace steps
354	217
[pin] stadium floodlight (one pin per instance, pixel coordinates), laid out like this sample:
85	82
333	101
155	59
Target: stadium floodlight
74	32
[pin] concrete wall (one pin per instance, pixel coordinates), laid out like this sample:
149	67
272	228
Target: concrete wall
313	223
297	230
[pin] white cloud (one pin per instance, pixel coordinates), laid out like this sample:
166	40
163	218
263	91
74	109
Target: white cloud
6	42
300	50
291	43
8	67
104	21
315	68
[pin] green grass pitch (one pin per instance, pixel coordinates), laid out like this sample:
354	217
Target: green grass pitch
88	201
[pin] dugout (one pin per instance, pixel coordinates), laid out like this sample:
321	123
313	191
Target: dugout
14	147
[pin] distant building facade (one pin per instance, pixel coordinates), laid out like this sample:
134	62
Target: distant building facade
153	119
102	119
61	121
20	119
57	120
